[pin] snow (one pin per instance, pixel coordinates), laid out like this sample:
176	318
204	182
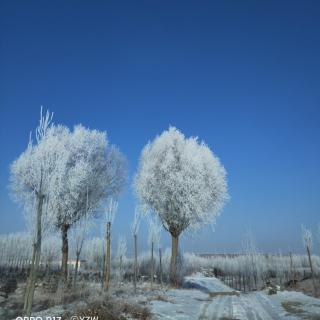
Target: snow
306	304
198	281
196	303
181	180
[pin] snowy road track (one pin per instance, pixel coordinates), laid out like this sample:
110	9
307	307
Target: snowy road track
224	304
252	306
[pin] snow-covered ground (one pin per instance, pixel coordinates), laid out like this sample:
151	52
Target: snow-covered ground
225	303
203	298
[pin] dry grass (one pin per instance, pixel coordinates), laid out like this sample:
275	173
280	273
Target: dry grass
113	309
223	293
294	307
305	286
160	298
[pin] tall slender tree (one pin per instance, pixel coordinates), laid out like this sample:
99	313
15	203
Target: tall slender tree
134	230
79	233
307	242
153	240
31	182
121	255
110	212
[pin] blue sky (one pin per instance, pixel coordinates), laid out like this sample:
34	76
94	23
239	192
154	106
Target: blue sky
244	76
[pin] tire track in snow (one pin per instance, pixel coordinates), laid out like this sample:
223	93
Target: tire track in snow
245	307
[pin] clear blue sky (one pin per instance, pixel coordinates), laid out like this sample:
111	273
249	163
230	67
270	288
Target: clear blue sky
244	76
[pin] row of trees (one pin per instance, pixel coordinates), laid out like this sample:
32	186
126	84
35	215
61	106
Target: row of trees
66	176
249	270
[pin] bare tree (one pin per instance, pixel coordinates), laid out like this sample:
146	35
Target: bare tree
110	212
153	240
183	182
307	242
79	234
121	255
251	256
134	230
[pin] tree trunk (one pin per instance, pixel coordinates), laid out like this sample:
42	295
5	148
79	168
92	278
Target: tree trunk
160	265
292	273
152	266
65	251
103	268
120	268
108	253
27	293
173	263
36	260
312	273
135	264
76	268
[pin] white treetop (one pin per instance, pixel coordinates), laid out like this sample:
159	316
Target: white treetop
181	180
136	221
122	247
111	209
44	124
33	172
154	229
89	172
306	237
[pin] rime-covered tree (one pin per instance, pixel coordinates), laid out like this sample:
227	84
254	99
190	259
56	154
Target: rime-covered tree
307	242
134	230
183	182
121	255
78	235
110	212
50	250
31	182
154	228
251	259
89	172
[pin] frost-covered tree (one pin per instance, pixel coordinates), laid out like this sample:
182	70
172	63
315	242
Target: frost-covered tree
110	212
31	181
79	233
15	249
50	250
251	259
89	172
183	182
134	230
307	242
121	255
154	228
93	252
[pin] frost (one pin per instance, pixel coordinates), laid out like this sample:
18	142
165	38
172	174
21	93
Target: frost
181	180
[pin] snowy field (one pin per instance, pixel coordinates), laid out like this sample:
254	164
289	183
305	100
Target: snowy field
200	298
224	303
